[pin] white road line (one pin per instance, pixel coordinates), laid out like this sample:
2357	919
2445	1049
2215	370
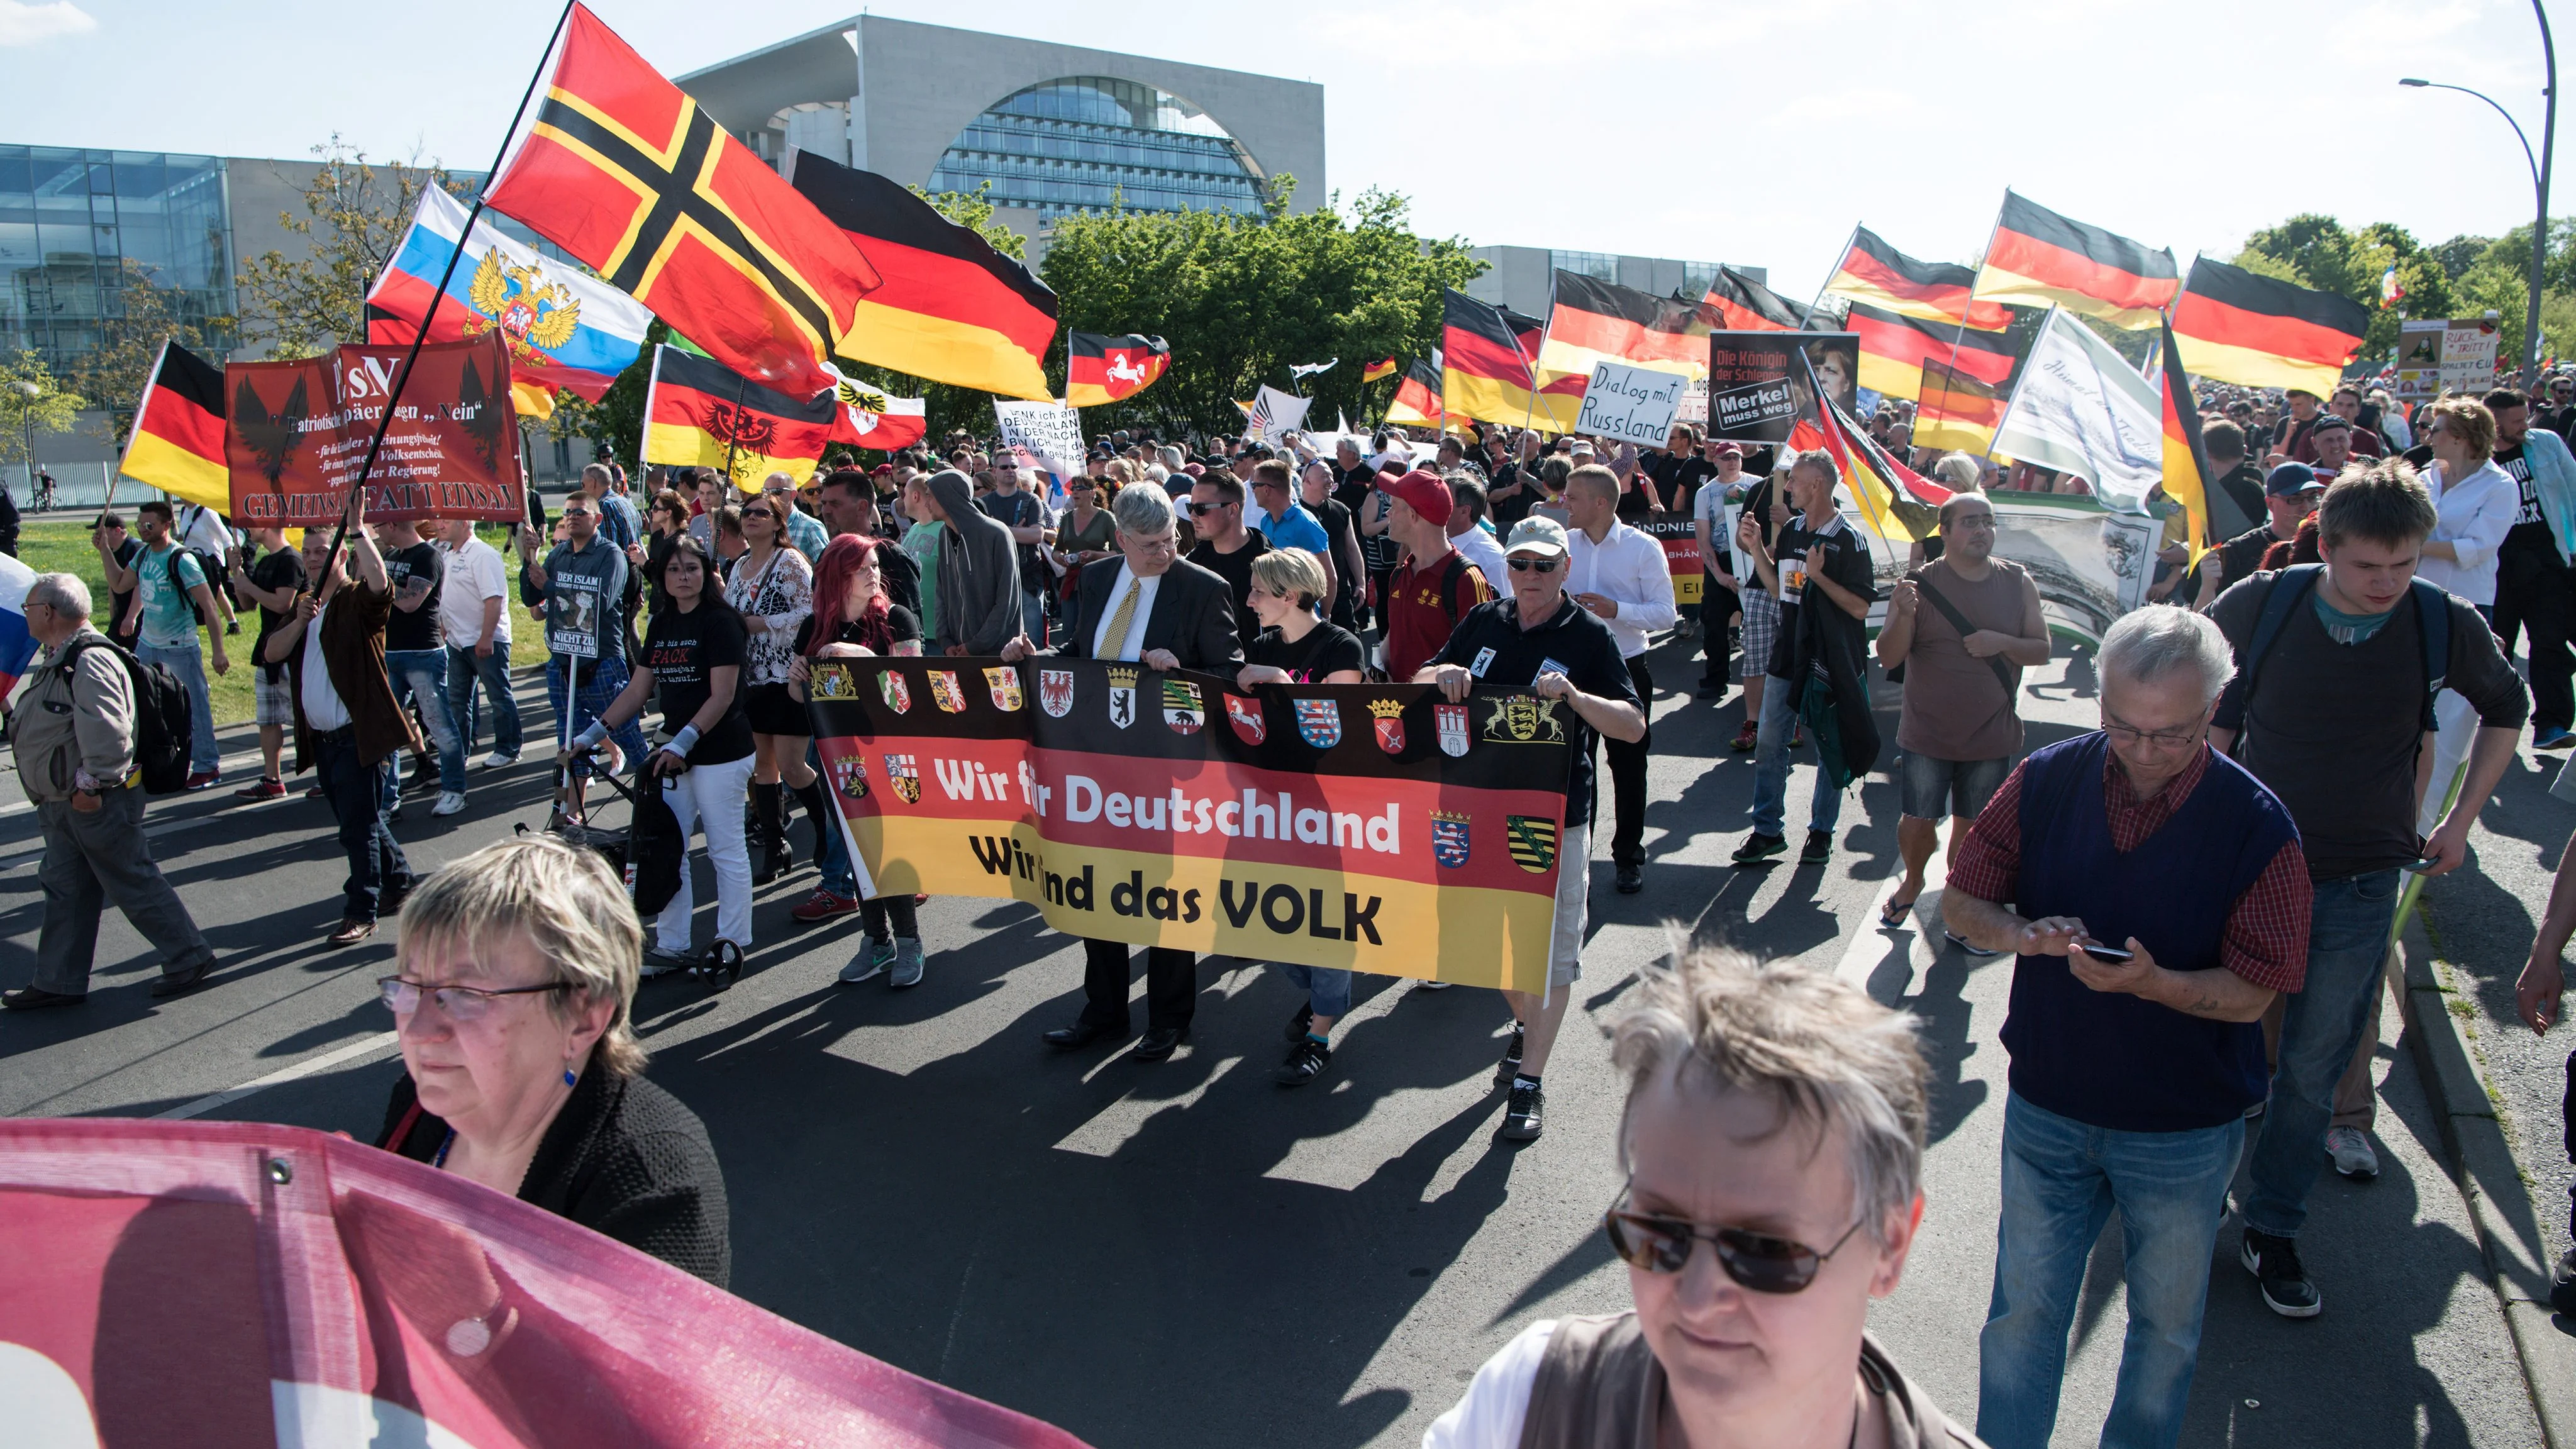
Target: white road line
1873	942
364	1047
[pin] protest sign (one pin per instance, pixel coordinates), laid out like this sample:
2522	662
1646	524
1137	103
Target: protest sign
2081	408
1679	539
1758	386
1626	404
298	431
1047	436
1373	827
1275	414
2436	356
331	1293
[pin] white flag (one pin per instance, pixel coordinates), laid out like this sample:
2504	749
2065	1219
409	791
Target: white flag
1275	414
2080	409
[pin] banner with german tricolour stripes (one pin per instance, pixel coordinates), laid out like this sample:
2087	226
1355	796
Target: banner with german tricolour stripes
1376	828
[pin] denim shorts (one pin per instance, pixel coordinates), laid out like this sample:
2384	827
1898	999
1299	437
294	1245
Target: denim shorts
1930	788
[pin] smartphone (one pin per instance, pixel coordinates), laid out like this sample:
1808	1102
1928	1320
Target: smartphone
2421	864
2112	954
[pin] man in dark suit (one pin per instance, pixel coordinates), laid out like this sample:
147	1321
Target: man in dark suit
1164	612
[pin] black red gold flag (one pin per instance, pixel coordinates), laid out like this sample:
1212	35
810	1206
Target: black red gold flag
2256	331
700	414
1417	398
2039	258
1377	370
1486	375
1893	349
1737	303
177	444
1955	410
1595	321
1879	274
1102	369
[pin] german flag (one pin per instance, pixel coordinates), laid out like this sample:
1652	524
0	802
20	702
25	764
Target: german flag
1737	303
951	308
1102	369
1895	501
2038	258
698	413
1377	370
1879	274
177	444
1956	410
630	177
2188	475
2255	331
1485	374
1893	349
1597	321
1417	398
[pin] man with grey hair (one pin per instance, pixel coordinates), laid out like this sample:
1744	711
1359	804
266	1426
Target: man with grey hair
2159	902
74	738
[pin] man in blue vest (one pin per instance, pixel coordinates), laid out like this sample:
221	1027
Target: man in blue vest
2159	902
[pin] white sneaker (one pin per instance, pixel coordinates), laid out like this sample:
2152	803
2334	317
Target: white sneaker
497	760
450	802
2350	1149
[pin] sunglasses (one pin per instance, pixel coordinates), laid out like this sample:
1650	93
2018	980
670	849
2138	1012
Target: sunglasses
1535	565
1202	510
760	513
1758	1262
461	1003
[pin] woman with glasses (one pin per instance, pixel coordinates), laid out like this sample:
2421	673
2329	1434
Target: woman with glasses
513	994
1773	1141
772	587
855	620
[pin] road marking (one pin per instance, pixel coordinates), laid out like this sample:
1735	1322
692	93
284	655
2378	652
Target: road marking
364	1047
1874	943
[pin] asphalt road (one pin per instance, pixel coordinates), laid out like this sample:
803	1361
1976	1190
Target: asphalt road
1183	1253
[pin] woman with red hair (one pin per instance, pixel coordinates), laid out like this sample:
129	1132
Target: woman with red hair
853	619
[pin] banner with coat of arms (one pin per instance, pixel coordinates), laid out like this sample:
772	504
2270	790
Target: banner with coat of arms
1372	827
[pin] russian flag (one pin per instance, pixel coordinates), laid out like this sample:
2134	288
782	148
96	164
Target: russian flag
564	327
17	646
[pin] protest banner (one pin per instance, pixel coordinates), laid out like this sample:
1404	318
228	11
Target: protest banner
2436	356
1679	540
2081	408
1047	436
2092	564
1758	387
1628	404
1377	828
331	1293
297	433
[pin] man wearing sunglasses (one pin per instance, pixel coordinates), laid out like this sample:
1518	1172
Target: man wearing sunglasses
2160	903
1225	547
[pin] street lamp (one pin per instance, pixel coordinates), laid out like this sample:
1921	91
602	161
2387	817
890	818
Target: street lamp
2539	184
33	392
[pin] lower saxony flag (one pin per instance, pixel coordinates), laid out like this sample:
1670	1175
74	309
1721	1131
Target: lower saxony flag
1101	369
698	413
177	444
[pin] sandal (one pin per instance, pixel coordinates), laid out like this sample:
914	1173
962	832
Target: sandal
1895	915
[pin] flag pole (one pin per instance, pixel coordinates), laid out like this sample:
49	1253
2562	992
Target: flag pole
366	466
1809	321
1959	333
1545	330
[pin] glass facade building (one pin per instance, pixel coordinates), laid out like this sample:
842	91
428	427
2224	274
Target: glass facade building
1085	143
77	225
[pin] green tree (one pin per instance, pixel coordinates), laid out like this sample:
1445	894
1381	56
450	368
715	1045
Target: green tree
355	214
142	314
32	400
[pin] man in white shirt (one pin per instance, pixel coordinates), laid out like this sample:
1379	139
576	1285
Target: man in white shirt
202	530
1620	575
1468	535
474	618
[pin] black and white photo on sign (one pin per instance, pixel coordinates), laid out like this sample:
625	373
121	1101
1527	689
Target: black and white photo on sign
1759	383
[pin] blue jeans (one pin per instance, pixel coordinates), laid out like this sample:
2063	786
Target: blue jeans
2348	931
1771	765
1327	988
356	792
189	664
2061	1180
492	671
833	868
601	682
420	677
1033	620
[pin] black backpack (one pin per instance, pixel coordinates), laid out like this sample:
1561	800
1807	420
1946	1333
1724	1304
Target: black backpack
162	716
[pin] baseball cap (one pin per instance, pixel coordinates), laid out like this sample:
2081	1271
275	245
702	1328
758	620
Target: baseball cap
1536	534
2329	423
882	470
2290	480
1423	490
1730	450
2300	392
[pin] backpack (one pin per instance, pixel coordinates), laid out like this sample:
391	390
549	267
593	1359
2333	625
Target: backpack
2288	589
210	566
162	716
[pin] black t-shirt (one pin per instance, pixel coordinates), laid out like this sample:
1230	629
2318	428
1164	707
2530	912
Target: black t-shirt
1678	476
1512	509
419	628
125	554
2244	483
1491	644
2530	532
1335	515
1326	649
680	649
1847	562
281	569
902	626
1236	569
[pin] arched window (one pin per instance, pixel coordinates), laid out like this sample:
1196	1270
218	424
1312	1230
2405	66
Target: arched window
1082	143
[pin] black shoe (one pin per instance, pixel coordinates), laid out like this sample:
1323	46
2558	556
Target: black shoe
1758	848
776	860
1082	1034
1709	691
2274	1262
35	998
1297	1024
174	983
1521	1119
1160	1042
1631	879
2562	1284
1819	849
1306	1061
1510	1066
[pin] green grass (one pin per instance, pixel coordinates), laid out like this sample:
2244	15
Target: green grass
63	547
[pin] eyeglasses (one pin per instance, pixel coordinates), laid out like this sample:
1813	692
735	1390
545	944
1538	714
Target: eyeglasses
2162	739
760	513
1535	565
1758	1262
460	1003
1202	510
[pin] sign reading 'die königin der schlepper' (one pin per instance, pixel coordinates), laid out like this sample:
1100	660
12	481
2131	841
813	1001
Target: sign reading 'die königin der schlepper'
1373	827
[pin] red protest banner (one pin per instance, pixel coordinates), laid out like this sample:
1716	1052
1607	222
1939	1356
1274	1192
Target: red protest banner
326	1292
296	433
1680	541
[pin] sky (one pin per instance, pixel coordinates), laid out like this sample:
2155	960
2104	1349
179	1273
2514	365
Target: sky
1710	130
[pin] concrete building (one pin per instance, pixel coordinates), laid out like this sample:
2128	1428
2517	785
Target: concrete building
1521	278
1053	129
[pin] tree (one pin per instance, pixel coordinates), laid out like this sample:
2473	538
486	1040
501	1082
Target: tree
142	315
356	212
32	400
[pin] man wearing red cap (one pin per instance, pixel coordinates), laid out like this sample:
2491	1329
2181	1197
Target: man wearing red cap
1434	586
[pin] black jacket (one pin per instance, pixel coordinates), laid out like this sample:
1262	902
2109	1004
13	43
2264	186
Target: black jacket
623	1159
1193	616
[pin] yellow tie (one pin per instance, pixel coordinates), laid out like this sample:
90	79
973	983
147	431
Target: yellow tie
1115	642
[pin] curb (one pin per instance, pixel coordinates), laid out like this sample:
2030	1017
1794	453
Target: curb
2513	1237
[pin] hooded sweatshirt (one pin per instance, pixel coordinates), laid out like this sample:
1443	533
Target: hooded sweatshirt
979	571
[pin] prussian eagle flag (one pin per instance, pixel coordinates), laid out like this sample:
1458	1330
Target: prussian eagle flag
564	328
17	646
873	418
